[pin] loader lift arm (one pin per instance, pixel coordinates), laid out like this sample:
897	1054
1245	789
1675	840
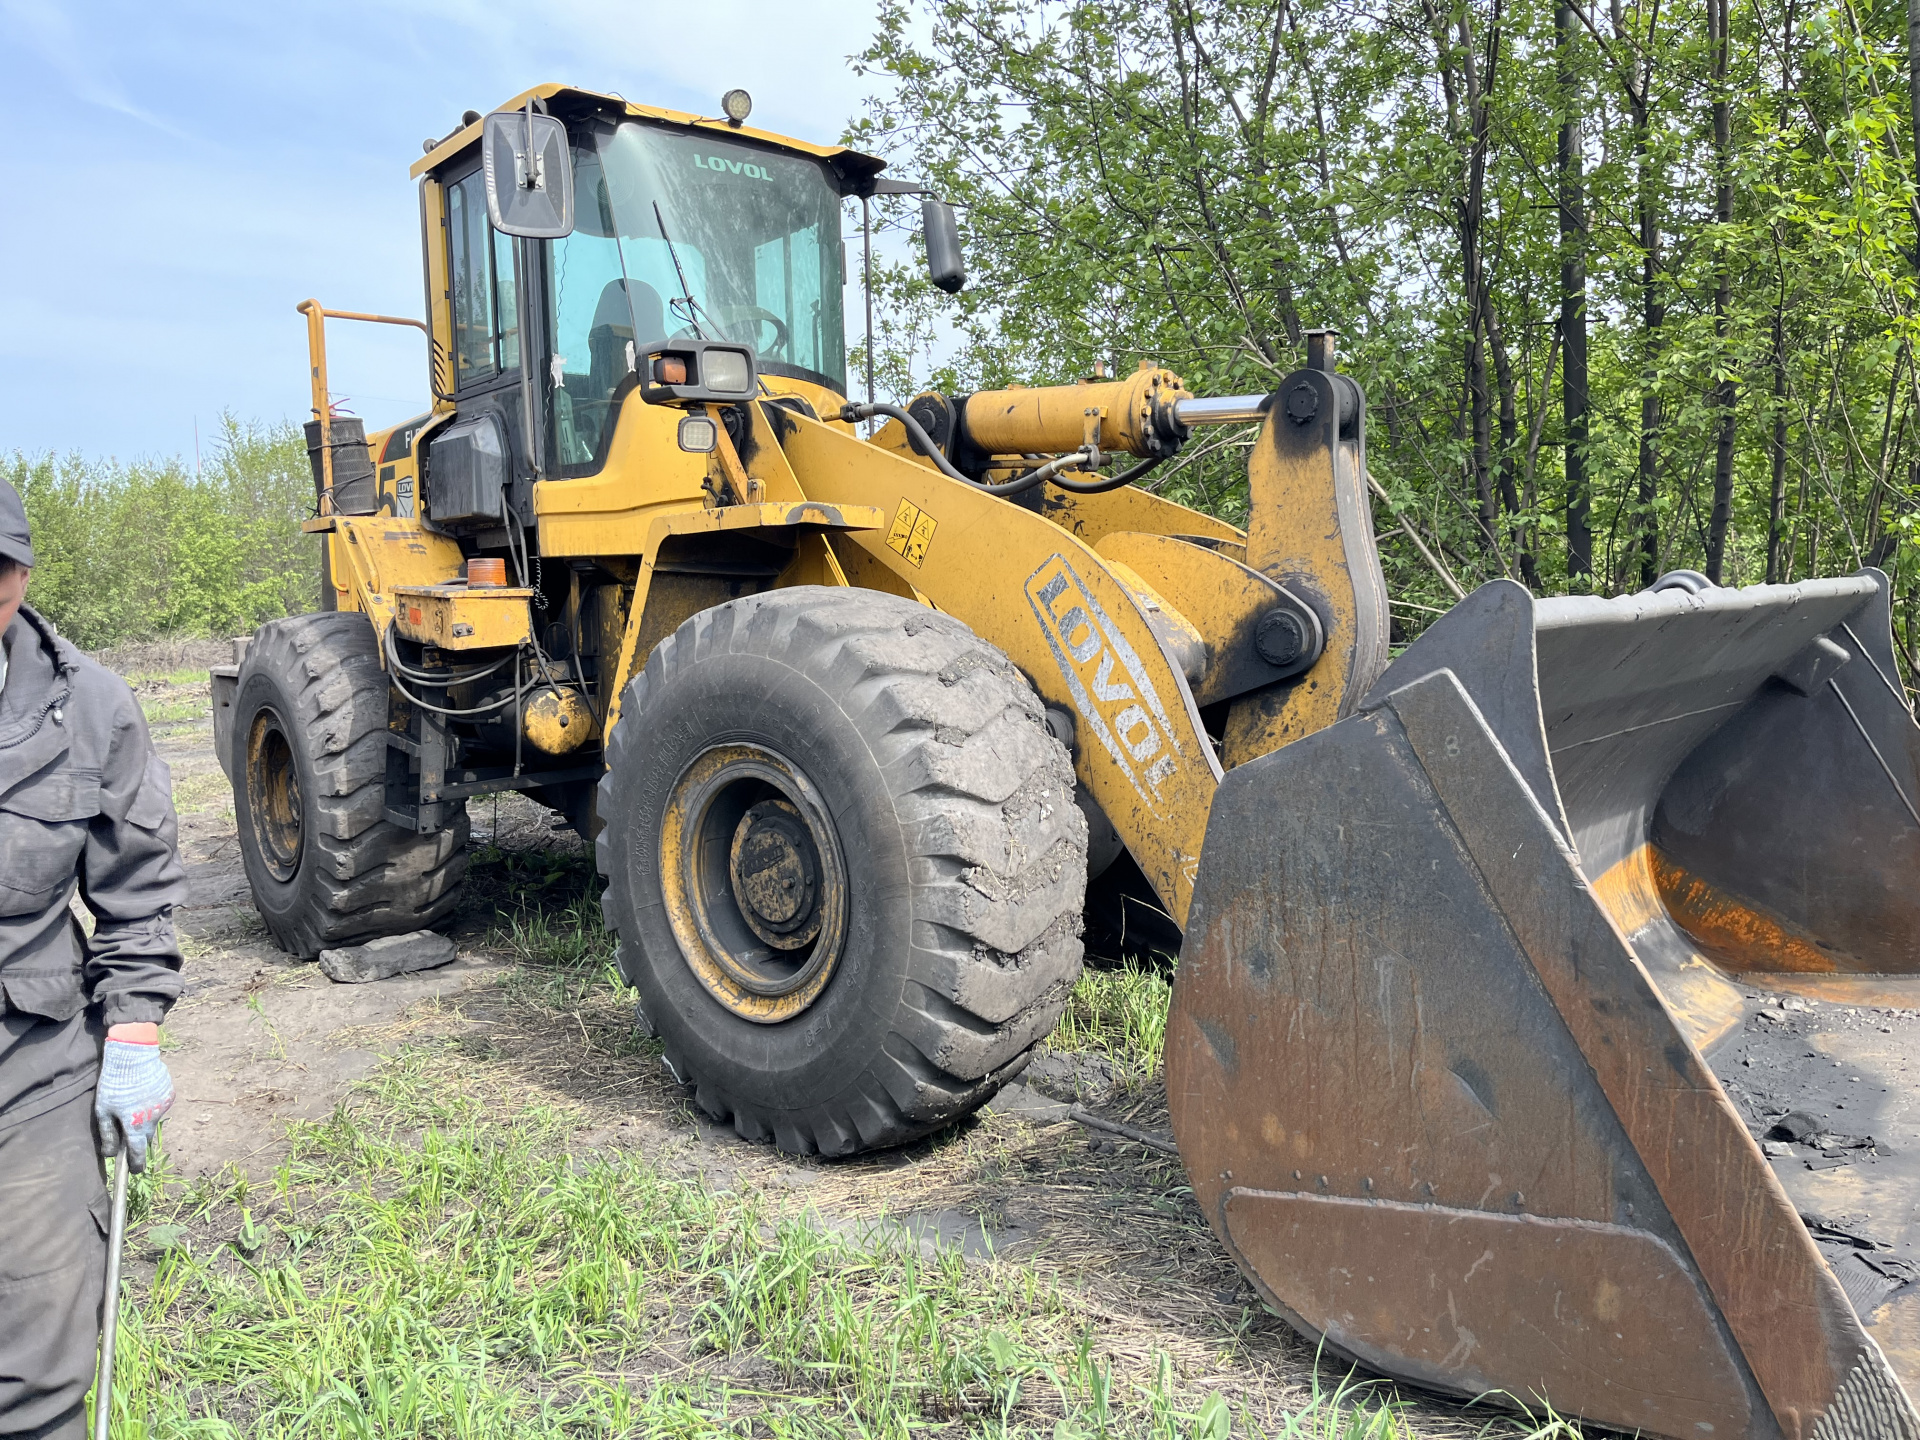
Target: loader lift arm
1109	631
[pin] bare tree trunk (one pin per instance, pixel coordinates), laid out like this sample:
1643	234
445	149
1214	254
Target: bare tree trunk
1777	448
1779	557
1473	264
1913	101
1573	303
1653	317
1913	642
1481	419
1185	34
1724	396
1509	462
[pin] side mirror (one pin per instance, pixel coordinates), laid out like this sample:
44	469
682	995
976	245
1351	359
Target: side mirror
529	174
945	267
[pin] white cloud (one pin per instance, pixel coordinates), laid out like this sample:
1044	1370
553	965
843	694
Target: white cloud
47	31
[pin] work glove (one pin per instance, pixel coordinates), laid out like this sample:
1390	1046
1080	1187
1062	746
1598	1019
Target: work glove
135	1092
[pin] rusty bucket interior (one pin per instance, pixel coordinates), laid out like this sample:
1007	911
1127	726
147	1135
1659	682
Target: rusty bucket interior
1494	991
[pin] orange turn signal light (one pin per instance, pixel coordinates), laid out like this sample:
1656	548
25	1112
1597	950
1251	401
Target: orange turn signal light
670	369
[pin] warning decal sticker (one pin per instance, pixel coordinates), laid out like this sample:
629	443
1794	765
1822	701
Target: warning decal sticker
911	533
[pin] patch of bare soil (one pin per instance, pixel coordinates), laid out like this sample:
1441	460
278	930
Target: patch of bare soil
138	660
259	1040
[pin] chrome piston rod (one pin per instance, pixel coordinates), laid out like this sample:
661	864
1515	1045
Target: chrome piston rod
1221	409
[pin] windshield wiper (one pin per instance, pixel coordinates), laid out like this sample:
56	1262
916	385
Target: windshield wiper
693	309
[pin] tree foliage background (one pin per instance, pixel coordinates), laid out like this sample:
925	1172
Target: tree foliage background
130	551
1630	284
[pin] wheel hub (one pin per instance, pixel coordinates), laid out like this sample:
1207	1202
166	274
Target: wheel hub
775	869
755	885
275	804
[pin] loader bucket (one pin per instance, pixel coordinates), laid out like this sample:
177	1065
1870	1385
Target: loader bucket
1439	1057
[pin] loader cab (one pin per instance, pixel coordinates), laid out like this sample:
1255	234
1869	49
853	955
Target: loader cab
681	231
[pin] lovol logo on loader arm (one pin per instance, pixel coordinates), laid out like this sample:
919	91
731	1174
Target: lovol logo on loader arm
1111	688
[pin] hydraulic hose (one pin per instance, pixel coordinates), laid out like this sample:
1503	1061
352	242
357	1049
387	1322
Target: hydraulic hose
397	666
1020	484
1051	472
916	432
1111	482
447	679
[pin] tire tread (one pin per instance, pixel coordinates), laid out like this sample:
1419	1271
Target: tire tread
367	877
984	794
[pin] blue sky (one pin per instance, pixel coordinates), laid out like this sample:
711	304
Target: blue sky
181	175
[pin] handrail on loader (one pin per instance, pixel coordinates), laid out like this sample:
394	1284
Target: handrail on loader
317	317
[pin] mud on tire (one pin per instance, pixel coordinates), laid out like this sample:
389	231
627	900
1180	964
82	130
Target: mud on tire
310	767
950	805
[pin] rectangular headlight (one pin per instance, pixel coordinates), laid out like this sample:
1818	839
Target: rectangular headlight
726	370
698	372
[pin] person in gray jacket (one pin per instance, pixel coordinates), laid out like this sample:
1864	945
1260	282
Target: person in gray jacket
84	804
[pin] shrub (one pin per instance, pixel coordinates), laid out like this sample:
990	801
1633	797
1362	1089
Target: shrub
132	551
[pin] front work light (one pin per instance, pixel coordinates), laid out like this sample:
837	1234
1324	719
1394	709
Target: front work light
698	435
737	104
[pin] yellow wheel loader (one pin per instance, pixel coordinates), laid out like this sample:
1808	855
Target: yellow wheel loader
1502	961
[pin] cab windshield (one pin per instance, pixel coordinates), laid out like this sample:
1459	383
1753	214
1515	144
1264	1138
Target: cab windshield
687	236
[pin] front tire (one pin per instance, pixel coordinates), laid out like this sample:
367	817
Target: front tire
844	864
310	761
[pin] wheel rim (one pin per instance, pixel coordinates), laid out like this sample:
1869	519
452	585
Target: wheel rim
275	804
755	884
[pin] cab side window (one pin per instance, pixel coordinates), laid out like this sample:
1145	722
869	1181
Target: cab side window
486	335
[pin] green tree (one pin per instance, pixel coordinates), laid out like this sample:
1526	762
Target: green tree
1631	287
131	551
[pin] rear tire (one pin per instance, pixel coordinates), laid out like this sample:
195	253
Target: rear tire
844	864
310	774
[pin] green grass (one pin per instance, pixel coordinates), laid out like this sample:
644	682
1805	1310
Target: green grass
195	793
1121	1014
549	920
160	701
435	1261
423	1268
169	711
547	916
199	679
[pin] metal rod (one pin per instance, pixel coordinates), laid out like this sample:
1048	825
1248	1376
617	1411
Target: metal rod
317	317
866	284
322	409
1221	409
419	325
1885	768
532	411
116	1236
1892	689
